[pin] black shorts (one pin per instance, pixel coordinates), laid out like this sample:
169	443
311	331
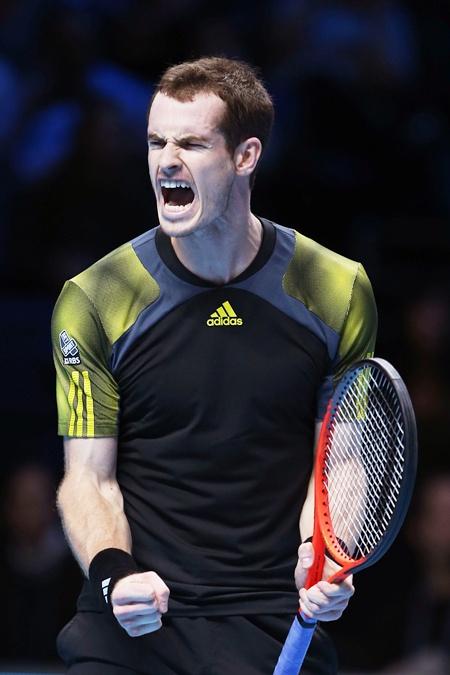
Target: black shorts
95	644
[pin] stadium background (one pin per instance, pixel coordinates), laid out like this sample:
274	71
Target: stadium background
359	160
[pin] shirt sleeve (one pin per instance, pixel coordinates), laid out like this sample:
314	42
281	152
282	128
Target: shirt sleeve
86	393
359	332
357	336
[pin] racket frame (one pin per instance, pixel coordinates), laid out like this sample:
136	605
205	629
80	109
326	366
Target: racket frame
302	629
324	540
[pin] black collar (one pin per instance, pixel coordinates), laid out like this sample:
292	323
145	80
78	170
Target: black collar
170	259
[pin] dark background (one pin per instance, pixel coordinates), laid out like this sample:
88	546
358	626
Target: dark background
359	160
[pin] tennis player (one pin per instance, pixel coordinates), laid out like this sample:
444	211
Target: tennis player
193	365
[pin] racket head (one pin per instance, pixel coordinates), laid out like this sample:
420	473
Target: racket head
366	465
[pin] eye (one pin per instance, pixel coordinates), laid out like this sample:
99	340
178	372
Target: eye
154	143
190	145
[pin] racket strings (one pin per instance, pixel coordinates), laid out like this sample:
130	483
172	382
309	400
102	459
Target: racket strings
347	486
361	507
353	527
367	500
353	482
365	459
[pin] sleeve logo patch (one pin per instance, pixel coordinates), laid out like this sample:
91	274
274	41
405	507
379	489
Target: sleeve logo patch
69	349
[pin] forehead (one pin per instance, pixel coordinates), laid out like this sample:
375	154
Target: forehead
170	117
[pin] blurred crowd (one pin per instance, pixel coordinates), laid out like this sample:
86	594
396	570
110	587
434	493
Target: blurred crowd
359	160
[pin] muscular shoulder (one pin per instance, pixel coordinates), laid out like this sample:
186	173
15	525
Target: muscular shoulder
117	287
324	281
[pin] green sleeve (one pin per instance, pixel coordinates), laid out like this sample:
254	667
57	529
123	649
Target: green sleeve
358	333
86	392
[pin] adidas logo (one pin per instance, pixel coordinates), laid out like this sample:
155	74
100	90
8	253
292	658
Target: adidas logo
224	316
105	587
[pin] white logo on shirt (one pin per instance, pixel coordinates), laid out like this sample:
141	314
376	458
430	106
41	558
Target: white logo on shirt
69	349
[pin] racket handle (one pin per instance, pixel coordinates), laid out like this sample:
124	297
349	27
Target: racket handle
295	648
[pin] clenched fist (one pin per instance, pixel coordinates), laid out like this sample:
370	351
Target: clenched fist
138	601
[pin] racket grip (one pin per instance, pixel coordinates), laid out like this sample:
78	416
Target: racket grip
295	647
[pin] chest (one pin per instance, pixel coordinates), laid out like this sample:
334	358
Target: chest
223	357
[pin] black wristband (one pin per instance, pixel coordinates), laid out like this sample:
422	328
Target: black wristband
107	567
326	552
342	544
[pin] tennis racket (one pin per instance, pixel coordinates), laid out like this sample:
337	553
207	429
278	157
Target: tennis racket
365	470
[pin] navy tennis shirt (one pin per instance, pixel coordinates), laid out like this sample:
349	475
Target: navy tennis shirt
213	392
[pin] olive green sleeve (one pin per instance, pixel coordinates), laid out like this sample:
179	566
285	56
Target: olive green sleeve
359	331
86	392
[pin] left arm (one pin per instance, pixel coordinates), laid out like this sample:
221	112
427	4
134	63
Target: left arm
323	601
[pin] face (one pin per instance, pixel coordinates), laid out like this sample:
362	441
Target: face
191	169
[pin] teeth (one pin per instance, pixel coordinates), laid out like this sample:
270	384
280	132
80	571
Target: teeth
177	207
174	184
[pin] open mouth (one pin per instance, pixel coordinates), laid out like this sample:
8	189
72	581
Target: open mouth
177	194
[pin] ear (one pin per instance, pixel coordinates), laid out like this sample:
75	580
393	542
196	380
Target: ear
246	156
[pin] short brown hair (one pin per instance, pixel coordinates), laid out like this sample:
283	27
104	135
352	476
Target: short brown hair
249	107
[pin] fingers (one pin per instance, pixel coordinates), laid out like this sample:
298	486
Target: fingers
305	560
144	587
139	618
306	555
143	609
161	591
138	601
126	591
324	601
344	588
140	625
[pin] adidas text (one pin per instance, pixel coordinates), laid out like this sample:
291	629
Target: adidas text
225	321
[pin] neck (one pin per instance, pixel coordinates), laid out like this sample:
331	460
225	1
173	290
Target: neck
222	251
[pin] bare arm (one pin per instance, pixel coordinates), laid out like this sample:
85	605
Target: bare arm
89	499
323	601
307	514
91	507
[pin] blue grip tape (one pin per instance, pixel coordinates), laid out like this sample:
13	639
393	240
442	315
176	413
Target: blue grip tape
295	648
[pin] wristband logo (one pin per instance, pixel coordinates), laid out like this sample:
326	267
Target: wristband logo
69	349
105	588
224	316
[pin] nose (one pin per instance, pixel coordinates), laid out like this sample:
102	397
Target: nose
169	161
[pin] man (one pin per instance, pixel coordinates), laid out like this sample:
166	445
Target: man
192	364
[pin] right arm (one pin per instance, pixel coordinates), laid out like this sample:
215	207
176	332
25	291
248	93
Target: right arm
90	504
90	501
89	498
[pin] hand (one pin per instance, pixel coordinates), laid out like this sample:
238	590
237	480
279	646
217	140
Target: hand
138	601
323	601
